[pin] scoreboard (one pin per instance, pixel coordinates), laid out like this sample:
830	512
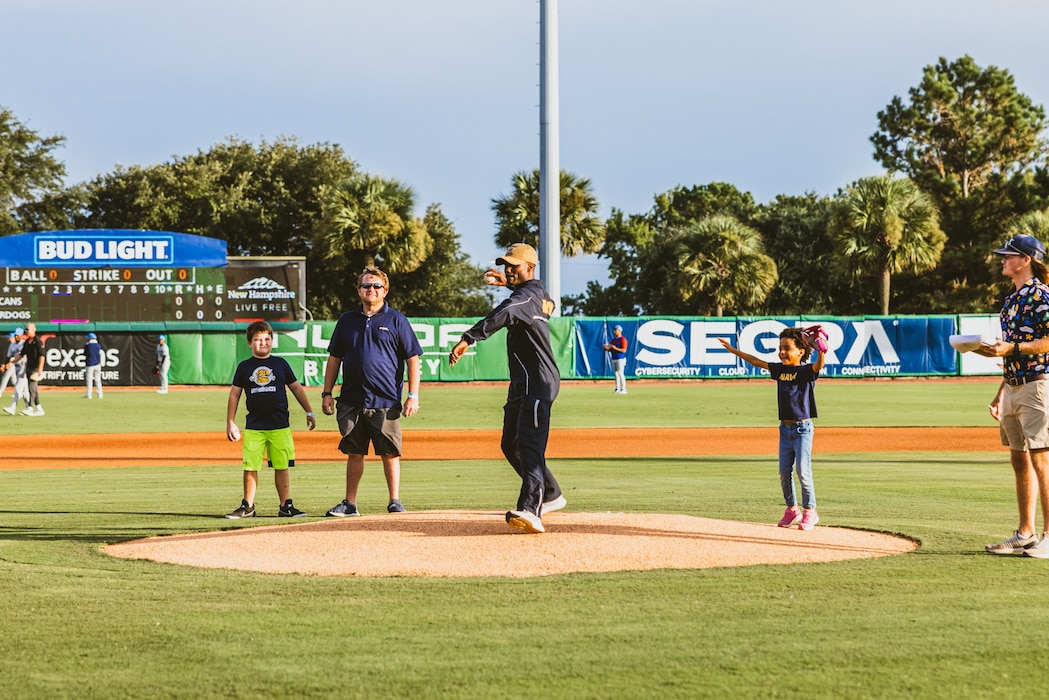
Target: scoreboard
118	275
59	295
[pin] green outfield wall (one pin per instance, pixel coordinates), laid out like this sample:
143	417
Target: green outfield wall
660	347
306	350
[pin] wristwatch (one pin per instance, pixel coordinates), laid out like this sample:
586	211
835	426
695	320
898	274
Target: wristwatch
1016	348
325	393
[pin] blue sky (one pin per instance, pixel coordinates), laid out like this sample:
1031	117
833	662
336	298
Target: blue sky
773	97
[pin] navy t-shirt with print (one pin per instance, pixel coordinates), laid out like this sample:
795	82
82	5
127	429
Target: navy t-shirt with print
795	389
265	382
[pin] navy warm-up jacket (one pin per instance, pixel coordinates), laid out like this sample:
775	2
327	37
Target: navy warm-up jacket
525	315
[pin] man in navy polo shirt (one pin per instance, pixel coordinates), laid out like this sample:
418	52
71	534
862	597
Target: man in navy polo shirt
372	345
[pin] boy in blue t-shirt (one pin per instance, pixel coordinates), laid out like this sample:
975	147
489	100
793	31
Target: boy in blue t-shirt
795	385
267	430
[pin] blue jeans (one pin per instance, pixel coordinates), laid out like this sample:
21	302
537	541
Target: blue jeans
795	451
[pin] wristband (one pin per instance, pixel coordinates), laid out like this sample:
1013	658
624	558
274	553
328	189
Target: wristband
412	395
310	415
1016	348
325	393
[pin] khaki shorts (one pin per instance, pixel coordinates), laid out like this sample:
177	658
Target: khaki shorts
380	427
1025	416
277	444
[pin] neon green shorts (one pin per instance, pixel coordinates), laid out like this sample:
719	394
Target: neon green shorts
278	445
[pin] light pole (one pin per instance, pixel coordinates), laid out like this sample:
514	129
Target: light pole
549	166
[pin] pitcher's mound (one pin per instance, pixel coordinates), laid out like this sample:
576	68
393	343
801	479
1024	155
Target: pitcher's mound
479	543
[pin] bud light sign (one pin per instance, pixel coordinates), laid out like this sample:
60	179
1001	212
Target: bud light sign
111	248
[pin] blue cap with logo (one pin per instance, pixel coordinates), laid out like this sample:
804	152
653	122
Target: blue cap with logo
162	337
617	327
1023	245
91	336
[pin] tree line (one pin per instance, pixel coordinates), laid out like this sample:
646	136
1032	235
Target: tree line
965	160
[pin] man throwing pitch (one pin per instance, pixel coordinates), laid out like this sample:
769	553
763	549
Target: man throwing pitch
372	344
534	382
1022	403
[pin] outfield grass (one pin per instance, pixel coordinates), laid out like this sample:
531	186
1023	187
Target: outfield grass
917	402
946	621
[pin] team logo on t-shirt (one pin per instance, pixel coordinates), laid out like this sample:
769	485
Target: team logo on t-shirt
262	376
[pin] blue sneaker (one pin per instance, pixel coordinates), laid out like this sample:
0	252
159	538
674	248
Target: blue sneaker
344	510
395	507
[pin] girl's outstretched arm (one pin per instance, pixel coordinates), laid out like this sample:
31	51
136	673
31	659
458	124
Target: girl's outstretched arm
756	361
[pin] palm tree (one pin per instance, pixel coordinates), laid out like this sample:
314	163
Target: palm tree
517	214
724	259
1035	223
372	217
885	225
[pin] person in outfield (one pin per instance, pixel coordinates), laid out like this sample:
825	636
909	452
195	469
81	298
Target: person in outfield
32	353
93	365
267	431
1021	405
534	382
163	365
14	371
796	396
372	344
616	348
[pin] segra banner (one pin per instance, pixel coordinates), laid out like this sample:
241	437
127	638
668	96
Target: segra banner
689	347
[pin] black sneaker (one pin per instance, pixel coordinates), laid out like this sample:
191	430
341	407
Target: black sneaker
344	510
245	511
289	511
395	507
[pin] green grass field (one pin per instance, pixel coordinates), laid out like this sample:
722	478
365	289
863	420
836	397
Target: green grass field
906	402
944	622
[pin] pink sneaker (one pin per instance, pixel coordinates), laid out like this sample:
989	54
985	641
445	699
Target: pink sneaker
791	516
809	519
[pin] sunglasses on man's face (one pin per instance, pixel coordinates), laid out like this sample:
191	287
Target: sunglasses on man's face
371	285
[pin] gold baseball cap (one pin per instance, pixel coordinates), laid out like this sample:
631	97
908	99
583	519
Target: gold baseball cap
519	253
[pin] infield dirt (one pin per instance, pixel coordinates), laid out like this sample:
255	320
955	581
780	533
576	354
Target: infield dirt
158	449
478	543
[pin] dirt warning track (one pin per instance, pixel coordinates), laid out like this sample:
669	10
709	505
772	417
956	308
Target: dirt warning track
183	449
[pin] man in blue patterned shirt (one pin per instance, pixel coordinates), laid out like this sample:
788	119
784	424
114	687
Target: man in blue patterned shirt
1021	405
